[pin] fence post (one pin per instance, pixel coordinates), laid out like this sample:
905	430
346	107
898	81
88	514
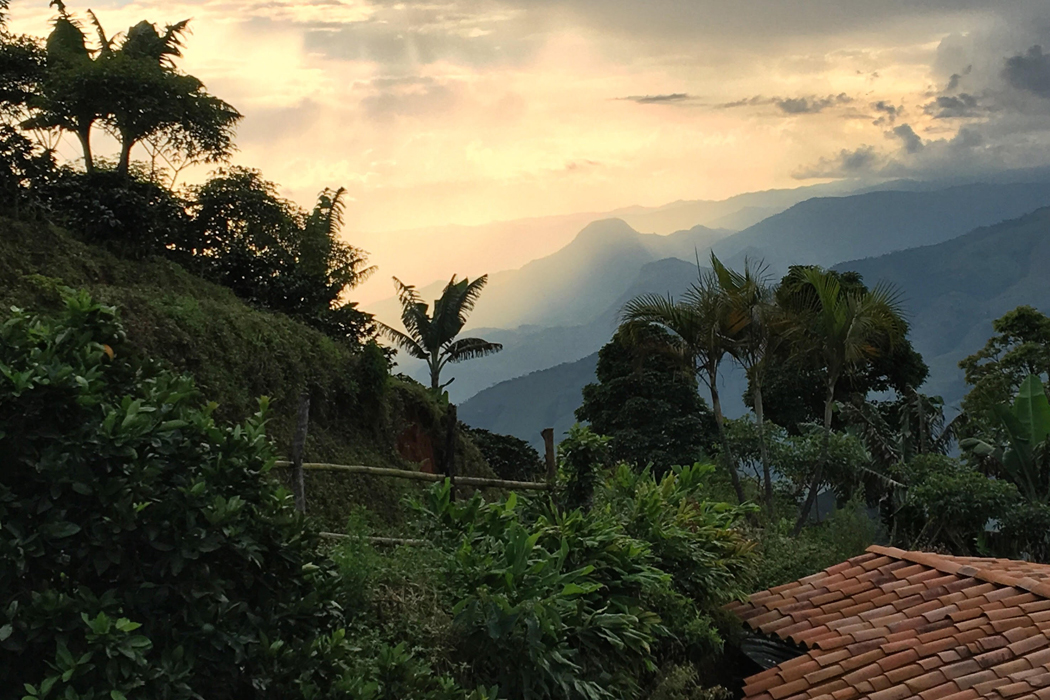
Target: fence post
298	443
551	455
450	448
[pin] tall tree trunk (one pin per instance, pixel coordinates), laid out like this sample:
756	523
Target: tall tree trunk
84	136
818	473
124	165
763	449
716	406
435	374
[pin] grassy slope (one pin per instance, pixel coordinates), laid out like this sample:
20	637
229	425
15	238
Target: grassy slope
236	354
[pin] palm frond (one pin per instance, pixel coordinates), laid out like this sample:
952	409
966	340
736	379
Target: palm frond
414	315
471	294
448	319
105	45
403	341
470	348
172	37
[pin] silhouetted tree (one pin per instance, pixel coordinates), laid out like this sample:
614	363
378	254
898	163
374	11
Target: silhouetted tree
434	338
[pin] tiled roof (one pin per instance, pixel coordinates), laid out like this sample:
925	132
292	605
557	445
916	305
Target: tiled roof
891	625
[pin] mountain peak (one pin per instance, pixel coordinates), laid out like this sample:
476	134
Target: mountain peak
605	231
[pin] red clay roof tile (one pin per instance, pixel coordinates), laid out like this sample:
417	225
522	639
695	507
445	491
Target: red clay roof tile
894	625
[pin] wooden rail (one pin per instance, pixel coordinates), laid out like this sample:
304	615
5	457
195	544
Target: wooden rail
448	465
479	482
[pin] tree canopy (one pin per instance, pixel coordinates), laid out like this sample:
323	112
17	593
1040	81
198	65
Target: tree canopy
646	401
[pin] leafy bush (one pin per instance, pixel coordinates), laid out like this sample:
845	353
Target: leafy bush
584	456
510	457
846	533
589	604
948	505
144	553
130	215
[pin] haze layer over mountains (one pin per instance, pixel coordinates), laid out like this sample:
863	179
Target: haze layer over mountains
962	255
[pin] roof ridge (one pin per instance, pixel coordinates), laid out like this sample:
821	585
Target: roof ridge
945	565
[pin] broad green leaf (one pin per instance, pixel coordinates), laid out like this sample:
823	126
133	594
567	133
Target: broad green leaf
1033	410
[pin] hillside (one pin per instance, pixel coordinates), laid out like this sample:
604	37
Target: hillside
953	291
828	230
524	406
237	354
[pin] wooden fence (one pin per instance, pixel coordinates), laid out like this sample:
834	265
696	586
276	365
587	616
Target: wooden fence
300	467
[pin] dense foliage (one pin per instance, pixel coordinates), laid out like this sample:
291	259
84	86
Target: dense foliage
144	553
510	457
647	402
602	603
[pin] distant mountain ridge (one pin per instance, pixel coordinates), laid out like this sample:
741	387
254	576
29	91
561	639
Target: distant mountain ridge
954	287
530	348
574	285
954	290
828	230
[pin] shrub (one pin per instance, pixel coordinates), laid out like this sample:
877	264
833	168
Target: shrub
584	458
846	533
948	505
509	457
127	214
589	604
144	553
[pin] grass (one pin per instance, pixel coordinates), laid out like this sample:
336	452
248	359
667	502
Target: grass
236	354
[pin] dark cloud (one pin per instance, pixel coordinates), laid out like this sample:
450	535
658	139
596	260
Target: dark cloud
887	112
848	163
811	105
658	99
953	106
792	105
912	141
1029	71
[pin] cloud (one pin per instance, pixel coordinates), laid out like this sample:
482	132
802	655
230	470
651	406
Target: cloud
659	99
848	163
1029	71
952	106
811	105
791	105
409	96
912	141
888	112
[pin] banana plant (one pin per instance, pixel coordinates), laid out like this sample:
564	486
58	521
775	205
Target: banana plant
1025	460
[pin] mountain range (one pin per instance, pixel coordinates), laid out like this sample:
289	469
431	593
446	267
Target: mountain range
947	324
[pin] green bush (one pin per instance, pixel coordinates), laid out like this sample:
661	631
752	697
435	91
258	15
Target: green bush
144	553
589	604
846	533
509	457
584	457
948	505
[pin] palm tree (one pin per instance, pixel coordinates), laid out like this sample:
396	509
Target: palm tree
847	328
748	297
697	327
433	337
70	95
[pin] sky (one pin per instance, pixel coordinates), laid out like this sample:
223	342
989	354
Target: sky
433	112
